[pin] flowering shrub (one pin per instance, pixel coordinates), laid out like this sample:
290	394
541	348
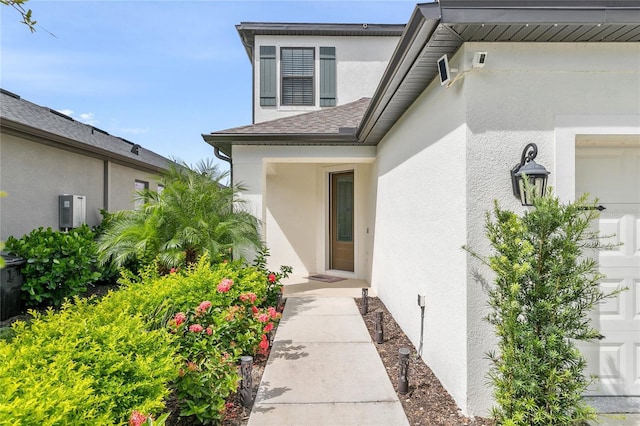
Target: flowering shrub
211	340
116	360
274	285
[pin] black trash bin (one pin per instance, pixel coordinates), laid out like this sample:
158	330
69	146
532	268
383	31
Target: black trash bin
10	286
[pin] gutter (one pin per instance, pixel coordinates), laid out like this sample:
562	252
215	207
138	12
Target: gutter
422	24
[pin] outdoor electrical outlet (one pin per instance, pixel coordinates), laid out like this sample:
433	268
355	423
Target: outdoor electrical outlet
421	301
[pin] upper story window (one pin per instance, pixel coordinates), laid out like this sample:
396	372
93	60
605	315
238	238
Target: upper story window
298	81
297	68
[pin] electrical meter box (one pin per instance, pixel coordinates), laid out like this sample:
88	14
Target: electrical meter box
73	211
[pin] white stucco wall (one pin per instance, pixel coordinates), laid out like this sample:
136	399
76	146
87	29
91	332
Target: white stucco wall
122	185
34	175
360	62
518	98
448	158
286	188
420	225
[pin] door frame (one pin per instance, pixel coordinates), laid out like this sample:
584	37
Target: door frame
326	203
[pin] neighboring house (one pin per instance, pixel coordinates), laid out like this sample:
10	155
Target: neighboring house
389	189
45	154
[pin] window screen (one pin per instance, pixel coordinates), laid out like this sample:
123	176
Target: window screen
297	68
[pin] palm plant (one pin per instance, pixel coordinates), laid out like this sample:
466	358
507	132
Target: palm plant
194	214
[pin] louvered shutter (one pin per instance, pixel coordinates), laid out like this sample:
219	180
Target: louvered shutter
327	76
268	76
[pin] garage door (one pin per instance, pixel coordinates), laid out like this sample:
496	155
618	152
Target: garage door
609	169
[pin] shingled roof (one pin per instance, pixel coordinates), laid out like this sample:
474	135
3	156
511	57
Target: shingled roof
45	125
331	126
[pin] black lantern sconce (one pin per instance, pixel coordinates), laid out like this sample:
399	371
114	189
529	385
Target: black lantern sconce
535	175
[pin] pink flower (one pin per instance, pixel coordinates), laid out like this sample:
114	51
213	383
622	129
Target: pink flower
273	313
209	331
254	310
195	328
180	318
264	345
173	271
248	297
225	285
268	327
137	418
204	306
272	278
263	317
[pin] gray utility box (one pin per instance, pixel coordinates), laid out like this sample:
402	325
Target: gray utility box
73	211
10	286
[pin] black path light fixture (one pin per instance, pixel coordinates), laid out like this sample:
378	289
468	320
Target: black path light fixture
528	178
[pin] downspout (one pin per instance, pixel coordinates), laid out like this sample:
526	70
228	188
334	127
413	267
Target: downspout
221	156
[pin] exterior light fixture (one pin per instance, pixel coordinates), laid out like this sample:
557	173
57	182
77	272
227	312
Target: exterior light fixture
528	178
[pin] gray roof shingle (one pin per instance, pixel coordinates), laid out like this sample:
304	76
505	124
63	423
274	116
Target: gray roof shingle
55	128
325	121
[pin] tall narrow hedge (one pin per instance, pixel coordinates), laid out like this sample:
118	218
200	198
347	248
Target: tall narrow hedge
546	286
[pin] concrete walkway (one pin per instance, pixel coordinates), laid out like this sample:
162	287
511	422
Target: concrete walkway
324	370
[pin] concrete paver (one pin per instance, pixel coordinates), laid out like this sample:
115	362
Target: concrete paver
324	370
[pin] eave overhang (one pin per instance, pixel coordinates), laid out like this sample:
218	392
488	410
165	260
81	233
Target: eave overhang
436	29
249	30
224	142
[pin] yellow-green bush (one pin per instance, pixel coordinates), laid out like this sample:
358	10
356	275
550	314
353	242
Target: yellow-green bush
84	365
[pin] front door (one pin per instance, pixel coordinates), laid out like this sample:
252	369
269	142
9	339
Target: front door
341	221
612	174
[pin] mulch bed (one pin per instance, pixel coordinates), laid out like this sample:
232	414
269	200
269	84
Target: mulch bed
427	402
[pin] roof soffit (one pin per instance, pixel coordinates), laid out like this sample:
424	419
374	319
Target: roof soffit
456	22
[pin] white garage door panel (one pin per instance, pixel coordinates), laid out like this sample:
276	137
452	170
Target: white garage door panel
613	176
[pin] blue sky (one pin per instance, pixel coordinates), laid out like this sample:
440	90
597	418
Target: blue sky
157	73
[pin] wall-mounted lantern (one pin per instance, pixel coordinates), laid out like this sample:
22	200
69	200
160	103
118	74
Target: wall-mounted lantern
535	174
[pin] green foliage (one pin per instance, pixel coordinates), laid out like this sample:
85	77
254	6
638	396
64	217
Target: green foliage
26	14
108	361
544	290
274	284
58	264
194	214
2	194
84	363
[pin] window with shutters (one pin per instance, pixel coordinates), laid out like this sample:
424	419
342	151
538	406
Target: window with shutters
297	70
300	76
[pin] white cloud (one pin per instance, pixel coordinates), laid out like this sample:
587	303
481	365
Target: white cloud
88	118
85	117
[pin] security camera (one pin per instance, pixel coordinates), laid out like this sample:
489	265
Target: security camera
479	59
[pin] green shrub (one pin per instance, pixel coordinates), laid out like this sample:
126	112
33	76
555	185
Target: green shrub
84	364
102	362
58	264
154	295
540	304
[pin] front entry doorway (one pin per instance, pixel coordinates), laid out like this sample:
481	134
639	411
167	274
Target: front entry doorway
341	221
